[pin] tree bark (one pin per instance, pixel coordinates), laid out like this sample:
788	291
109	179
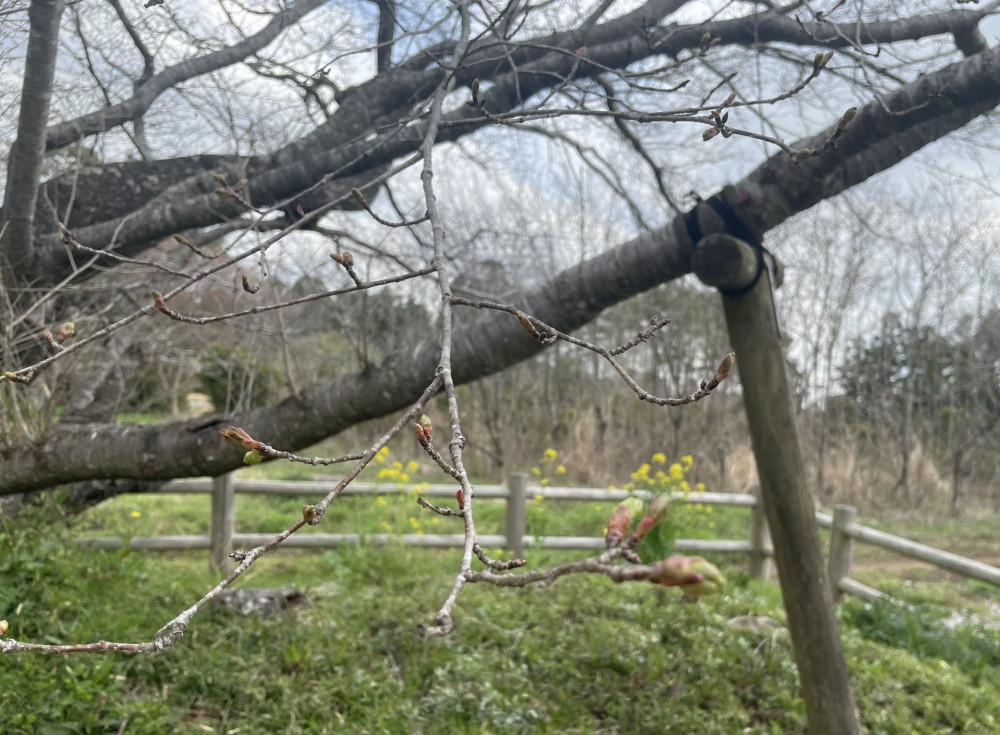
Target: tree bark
24	165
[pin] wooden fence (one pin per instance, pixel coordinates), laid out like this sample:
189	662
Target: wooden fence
844	531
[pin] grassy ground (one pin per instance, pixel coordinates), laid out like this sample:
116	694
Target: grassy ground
583	656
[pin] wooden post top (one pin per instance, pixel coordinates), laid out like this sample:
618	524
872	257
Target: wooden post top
730	264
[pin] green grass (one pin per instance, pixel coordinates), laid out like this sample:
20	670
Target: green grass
583	656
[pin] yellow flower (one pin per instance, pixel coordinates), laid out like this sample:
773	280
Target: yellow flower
382	454
536	471
676	472
539	498
414	522
550	454
628	486
412	466
685	487
435	521
711	524
709	509
687	461
136	514
386	526
381	502
660	458
560	470
545	482
699	487
403	477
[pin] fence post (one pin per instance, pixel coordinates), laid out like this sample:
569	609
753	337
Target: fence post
840	548
223	522
517	492
760	538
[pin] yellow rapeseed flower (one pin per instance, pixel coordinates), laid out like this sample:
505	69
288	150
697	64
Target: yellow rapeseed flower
382	454
676	472
687	460
136	514
660	458
550	454
412	466
386	526
560	470
381	502
699	487
536	471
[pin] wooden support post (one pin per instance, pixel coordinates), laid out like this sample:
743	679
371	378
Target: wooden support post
840	549
517	489
760	540
770	406
223	522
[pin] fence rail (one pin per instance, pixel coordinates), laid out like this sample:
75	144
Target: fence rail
844	531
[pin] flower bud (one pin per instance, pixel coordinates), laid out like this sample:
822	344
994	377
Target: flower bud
620	520
846	118
239	438
674	571
724	368
711	578
253	457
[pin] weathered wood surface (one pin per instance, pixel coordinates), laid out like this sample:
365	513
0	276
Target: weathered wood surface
767	395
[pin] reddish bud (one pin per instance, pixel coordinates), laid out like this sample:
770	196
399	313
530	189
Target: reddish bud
460	497
709	134
160	303
239	438
309	513
219	178
821	60
14	377
182	240
424	431
527	324
620	520
654	516
674	571
725	367
348	259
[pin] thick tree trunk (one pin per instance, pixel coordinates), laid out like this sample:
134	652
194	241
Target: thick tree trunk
24	165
